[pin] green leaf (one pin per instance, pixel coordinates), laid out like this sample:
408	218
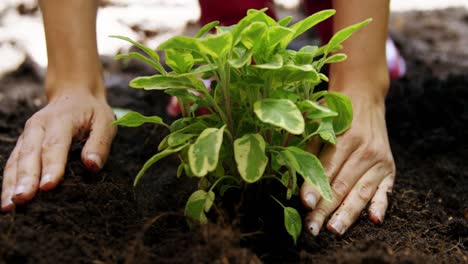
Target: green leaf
310	168
323	77
204	153
274	35
162	82
344	34
342	105
292	222
134	119
294	73
252	34
137	56
155	159
326	131
181	43
314	110
285	21
142	47
249	152
198	204
240	57
275	63
281	113
307	23
339	57
217	46
245	22
206	28
177	138
179	61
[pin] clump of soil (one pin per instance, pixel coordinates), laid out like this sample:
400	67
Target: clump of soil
100	218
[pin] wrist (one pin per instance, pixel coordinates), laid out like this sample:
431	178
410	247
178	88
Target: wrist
359	83
65	85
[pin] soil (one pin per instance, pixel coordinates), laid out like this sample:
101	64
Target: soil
101	218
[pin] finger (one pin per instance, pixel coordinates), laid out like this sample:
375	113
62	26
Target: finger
379	202
55	148
29	162
341	185
356	200
98	145
9	179
332	159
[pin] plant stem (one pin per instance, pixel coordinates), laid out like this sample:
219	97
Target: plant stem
224	81
277	201
220	179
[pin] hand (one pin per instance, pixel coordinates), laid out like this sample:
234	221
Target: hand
360	169
40	155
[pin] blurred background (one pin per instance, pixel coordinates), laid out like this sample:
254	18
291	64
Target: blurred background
22	43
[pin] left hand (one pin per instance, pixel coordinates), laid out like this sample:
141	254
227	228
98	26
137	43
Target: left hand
360	169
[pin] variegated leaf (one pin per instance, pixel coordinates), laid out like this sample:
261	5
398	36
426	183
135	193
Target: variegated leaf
249	152
281	113
204	153
198	204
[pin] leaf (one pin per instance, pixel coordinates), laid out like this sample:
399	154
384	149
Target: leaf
204	153
155	159
217	46
307	23
206	28
237	30
342	105
198	204
274	35
293	73
162	82
339	57
314	110
142	47
178	138
249	153
285	21
323	77
137	56
240	57
292	222
326	131
181	43
281	113
344	34
179	61
252	34
310	168
275	63
134	119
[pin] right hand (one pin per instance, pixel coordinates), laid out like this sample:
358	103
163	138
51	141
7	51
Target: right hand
40	155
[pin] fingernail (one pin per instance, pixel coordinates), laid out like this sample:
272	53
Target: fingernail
47	178
311	200
20	189
378	217
337	226
314	228
96	159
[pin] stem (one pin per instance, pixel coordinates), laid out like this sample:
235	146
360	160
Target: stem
307	138
220	179
277	201
224	81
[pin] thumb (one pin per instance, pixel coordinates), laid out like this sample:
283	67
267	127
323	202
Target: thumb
97	147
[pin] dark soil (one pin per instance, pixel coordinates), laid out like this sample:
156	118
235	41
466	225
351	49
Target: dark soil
100	218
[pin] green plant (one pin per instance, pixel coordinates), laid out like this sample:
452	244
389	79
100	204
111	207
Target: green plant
263	107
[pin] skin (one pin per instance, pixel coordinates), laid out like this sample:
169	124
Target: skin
76	109
360	166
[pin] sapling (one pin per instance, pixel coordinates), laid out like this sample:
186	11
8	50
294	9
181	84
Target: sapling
263	108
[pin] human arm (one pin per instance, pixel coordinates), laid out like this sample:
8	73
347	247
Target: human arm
361	166
76	109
